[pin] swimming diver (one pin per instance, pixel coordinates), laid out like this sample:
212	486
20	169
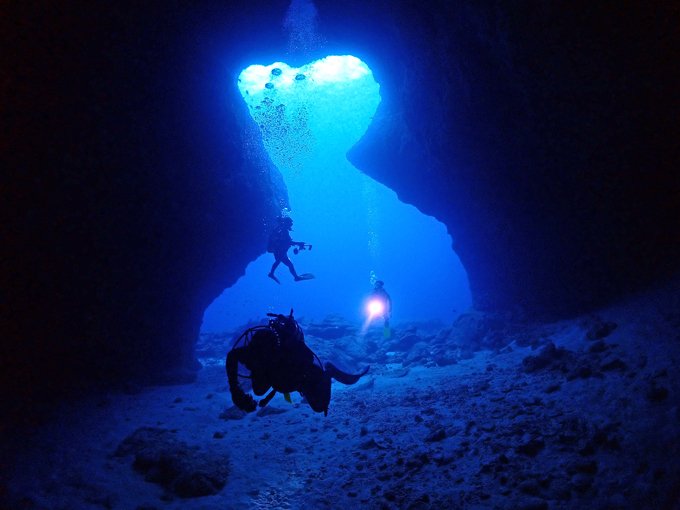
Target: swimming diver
279	242
380	295
278	358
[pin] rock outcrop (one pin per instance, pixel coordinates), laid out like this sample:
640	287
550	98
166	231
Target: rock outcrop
135	188
543	138
179	468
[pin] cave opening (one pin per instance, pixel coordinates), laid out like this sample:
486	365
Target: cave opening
309	117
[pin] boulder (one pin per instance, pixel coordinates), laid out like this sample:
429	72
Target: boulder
179	468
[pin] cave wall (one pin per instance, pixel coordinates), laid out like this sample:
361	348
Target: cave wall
134	186
543	136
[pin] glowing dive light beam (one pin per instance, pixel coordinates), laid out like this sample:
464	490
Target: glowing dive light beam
375	308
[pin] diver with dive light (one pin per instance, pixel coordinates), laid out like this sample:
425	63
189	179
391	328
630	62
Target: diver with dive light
278	358
380	305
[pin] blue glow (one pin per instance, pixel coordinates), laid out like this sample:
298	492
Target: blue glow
359	229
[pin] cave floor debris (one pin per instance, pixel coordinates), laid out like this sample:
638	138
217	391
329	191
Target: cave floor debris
587	418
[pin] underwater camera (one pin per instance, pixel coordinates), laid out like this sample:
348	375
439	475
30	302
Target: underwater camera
303	247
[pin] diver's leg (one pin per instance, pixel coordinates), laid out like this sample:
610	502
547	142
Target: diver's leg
277	261
266	399
291	268
260	384
316	388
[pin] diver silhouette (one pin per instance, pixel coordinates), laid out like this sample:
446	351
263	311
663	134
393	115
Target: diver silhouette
380	295
278	358
279	242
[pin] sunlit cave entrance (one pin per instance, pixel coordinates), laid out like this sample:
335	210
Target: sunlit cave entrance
359	230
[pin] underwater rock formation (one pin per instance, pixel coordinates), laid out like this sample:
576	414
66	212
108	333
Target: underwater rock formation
135	189
539	137
176	466
134	186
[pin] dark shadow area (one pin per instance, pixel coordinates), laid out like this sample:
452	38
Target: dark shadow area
134	186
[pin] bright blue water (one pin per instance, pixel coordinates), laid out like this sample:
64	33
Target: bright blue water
358	228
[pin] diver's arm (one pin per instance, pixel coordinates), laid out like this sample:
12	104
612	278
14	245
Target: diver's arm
293	243
238	396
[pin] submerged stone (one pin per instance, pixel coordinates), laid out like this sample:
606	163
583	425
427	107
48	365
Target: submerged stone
176	466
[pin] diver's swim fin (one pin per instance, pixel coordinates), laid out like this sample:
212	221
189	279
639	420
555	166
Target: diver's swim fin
306	276
271	275
341	376
386	332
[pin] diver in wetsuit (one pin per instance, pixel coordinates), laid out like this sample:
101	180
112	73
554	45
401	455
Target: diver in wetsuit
380	305
279	242
380	294
278	358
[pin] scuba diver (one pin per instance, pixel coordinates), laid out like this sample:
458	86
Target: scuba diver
380	305
278	358
279	242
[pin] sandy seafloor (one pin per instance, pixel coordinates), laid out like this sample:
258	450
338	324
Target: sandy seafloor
596	425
